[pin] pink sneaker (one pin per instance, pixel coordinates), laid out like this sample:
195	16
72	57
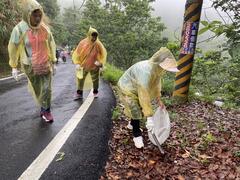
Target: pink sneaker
47	116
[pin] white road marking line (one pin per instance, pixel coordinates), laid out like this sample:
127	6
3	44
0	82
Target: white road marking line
10	77
40	164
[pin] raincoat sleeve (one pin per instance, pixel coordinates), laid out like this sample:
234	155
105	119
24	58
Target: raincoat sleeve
102	53
13	48
145	101
76	53
75	56
52	48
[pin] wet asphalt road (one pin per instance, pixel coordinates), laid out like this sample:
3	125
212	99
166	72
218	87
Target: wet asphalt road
23	135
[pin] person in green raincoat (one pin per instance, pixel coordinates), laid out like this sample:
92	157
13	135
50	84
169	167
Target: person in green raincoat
32	44
141	84
89	56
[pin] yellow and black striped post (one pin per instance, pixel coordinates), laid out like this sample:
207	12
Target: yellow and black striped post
192	16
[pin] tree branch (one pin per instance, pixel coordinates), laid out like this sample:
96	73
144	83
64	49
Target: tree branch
176	35
221	17
207	39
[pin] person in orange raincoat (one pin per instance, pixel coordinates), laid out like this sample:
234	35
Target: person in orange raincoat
89	56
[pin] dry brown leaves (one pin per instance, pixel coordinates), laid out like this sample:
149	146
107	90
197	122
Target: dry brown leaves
204	144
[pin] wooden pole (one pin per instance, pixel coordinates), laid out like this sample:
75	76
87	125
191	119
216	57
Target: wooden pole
192	17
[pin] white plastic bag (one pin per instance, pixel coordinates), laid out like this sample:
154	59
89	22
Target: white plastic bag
161	126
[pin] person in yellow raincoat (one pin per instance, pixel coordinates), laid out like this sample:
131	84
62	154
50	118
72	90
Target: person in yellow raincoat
141	84
89	56
32	44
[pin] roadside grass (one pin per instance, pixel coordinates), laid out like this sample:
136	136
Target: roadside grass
112	74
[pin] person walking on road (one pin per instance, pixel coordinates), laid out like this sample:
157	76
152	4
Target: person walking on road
33	45
89	56
141	84
64	55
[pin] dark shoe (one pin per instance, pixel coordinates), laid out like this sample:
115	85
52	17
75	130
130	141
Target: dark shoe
77	96
47	116
95	95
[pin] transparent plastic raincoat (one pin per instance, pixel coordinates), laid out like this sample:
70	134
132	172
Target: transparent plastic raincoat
22	45
35	49
141	83
87	52
86	55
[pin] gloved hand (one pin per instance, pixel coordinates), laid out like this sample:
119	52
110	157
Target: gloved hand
149	123
101	69
98	64
78	66
15	73
160	103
